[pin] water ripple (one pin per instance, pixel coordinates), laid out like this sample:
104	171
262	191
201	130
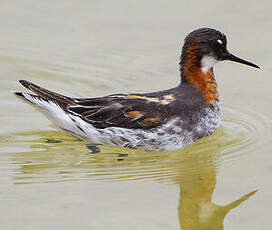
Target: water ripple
40	160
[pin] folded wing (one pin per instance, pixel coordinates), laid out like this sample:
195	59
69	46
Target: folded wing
124	111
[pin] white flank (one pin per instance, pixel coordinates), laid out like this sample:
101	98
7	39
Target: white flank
68	122
207	62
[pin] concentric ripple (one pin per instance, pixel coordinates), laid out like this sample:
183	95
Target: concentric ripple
52	156
247	130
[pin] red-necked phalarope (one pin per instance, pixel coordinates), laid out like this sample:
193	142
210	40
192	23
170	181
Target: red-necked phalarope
164	120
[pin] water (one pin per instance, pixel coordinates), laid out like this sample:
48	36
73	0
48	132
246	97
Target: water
51	180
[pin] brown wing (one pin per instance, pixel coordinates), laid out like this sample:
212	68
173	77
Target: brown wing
143	111
126	111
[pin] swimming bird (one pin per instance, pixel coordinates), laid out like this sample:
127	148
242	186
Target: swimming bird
159	121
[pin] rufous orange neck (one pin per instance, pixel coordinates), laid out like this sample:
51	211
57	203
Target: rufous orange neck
203	80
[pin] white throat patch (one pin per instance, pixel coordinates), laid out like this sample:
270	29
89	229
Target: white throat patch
207	62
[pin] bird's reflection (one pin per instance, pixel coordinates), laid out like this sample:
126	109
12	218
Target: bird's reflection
59	157
196	210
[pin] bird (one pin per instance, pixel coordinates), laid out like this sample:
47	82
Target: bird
165	120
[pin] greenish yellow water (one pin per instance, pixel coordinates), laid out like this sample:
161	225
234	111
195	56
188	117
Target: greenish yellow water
50	180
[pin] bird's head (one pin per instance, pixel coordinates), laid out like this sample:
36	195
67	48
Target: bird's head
204	47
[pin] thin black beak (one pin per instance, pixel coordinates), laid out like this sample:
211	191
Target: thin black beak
231	57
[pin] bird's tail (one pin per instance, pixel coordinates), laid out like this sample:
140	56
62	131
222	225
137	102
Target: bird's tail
42	94
50	104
